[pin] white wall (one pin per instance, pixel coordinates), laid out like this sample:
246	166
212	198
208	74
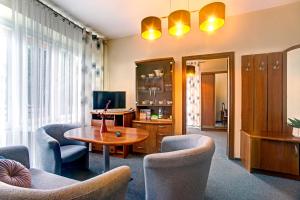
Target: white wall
264	31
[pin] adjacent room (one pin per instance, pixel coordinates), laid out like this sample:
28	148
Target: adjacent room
149	100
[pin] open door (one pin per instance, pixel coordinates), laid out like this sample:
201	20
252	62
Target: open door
207	101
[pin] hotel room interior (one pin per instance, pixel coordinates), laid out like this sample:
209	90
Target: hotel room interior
155	100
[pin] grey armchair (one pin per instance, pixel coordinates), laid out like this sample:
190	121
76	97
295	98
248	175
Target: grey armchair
54	151
111	185
181	170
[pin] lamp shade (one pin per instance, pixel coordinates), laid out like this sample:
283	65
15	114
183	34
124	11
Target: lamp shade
151	28
190	70
212	17
179	22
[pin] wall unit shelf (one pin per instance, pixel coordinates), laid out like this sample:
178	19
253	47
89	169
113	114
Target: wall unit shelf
155	93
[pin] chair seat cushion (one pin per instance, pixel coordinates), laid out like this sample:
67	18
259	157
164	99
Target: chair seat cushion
46	181
14	173
70	153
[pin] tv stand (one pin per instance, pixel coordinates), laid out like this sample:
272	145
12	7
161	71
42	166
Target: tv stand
113	118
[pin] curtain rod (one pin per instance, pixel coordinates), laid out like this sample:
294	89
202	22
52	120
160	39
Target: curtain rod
66	18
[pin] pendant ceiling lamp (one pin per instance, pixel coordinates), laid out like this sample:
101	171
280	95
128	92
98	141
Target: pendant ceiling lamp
212	17
151	28
179	22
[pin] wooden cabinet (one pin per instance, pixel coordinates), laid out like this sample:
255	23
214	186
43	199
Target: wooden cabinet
270	153
279	156
162	131
154	96
264	144
157	131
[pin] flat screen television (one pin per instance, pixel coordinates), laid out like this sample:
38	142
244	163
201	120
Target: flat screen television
100	98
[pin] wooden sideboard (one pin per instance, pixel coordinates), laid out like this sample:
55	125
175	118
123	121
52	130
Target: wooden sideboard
114	119
271	153
155	93
157	129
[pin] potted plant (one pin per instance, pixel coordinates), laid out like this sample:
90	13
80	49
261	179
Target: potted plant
295	123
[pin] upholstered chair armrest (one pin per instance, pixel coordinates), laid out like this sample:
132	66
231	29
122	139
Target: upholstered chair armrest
18	153
174	143
110	185
47	152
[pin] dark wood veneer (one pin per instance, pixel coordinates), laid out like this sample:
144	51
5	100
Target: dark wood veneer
260	92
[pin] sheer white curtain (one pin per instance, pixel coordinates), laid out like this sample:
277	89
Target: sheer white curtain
46	71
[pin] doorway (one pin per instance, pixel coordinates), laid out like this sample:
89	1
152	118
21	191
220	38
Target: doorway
208	95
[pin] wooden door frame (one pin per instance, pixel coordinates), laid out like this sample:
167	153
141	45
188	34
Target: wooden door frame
231	93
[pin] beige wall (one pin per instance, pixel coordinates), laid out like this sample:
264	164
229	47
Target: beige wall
263	31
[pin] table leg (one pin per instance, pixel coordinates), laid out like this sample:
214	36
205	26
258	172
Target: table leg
106	158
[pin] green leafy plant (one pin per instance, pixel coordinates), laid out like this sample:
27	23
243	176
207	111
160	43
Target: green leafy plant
294	122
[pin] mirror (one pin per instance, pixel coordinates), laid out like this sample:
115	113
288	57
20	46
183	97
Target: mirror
293	82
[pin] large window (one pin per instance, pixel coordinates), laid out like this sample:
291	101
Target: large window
48	69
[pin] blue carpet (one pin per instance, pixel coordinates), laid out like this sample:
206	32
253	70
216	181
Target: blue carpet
228	180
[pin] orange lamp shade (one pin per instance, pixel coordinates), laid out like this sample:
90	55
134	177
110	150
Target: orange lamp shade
212	17
179	22
151	28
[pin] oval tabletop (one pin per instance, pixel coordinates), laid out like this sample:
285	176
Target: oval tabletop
92	134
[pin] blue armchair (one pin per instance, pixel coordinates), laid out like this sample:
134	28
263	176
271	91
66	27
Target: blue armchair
55	152
48	186
181	170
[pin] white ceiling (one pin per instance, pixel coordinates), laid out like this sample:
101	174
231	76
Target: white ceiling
120	18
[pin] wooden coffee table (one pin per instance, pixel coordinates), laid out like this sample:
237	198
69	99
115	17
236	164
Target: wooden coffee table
92	134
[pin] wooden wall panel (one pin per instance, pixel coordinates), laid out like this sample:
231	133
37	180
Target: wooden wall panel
207	100
246	150
275	93
261	93
247	92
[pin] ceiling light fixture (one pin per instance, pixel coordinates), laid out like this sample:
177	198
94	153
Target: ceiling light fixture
151	28
212	17
179	22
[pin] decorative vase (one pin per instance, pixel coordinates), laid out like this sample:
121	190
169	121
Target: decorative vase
103	127
296	132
